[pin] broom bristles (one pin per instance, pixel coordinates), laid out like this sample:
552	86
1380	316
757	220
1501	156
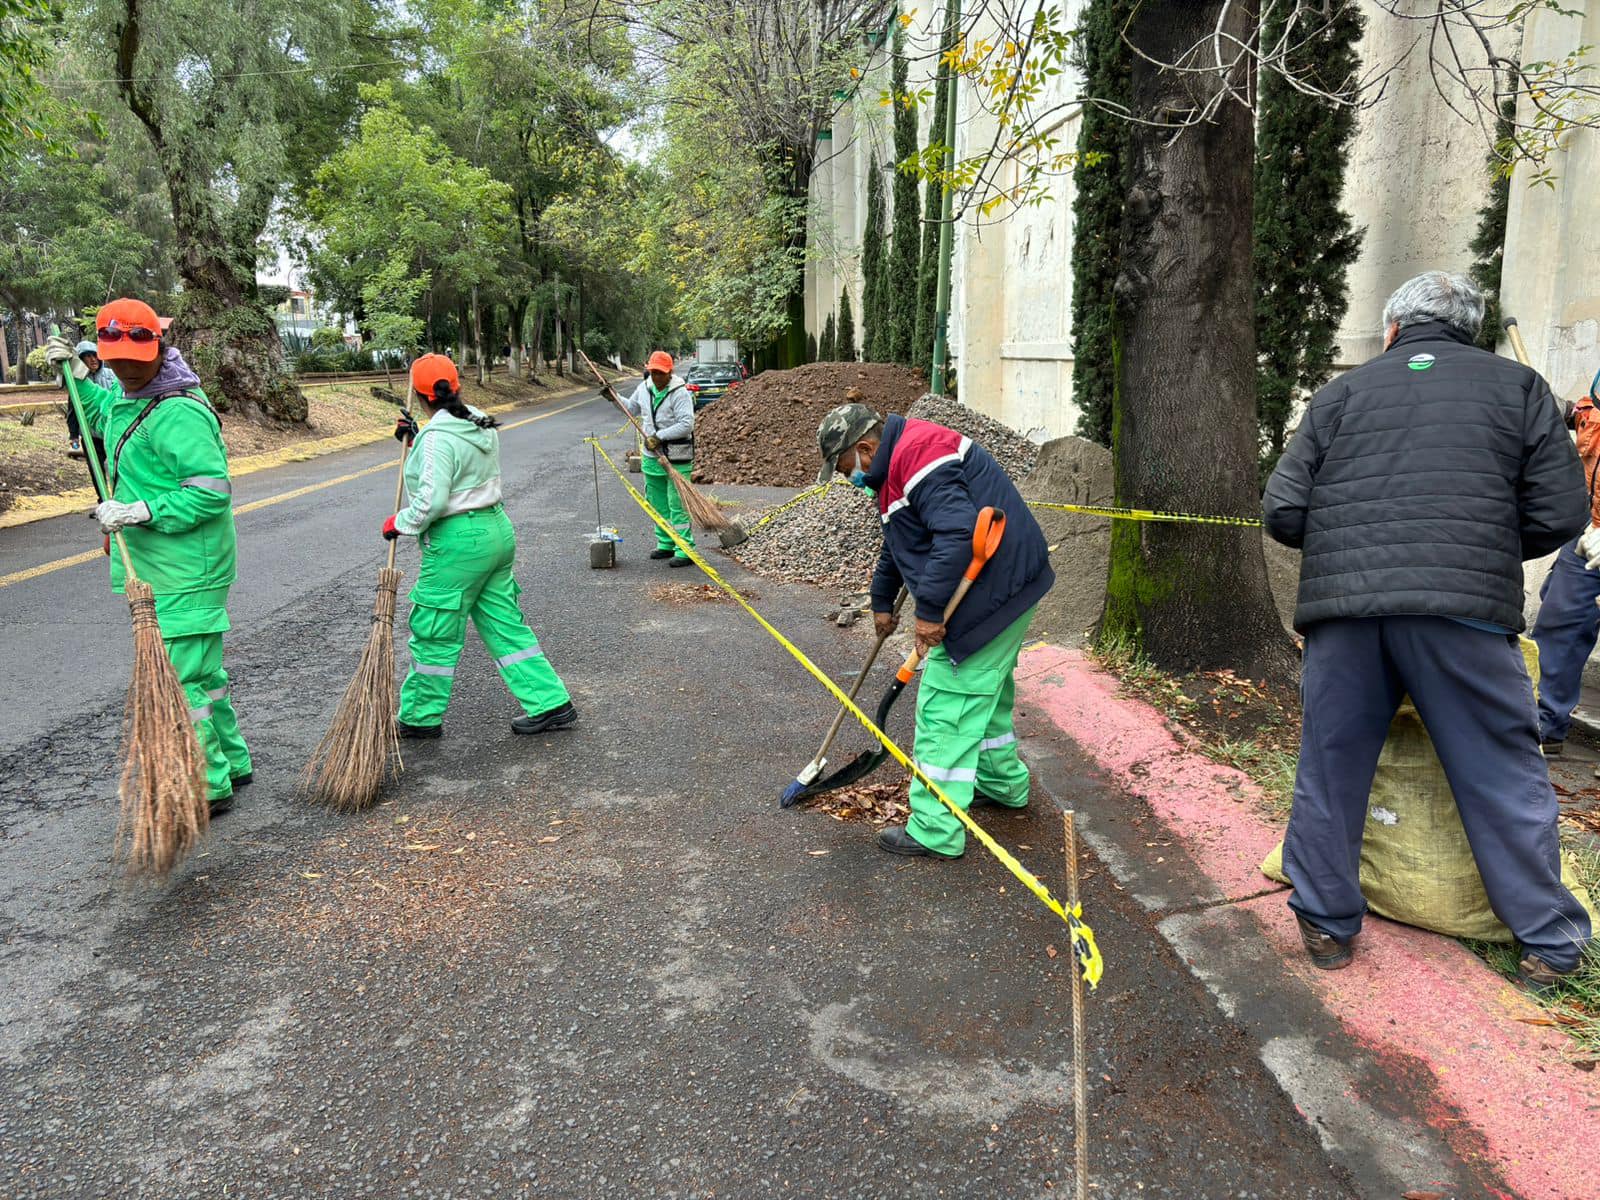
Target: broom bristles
165	807
362	746
702	510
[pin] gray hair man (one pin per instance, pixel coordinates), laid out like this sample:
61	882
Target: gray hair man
1415	487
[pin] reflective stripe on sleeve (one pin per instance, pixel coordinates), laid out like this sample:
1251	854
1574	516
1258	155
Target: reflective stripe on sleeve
994	743
210	484
430	669
203	713
220	693
519	656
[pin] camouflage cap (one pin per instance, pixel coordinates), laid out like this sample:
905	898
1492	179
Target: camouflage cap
841	429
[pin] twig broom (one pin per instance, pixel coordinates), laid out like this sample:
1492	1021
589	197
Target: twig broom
362	746
702	510
165	808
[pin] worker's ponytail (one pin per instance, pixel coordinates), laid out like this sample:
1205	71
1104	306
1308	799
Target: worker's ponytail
450	400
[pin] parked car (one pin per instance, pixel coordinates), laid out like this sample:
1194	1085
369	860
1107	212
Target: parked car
707	381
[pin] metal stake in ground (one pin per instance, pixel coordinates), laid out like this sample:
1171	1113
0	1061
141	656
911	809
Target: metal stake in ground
1080	1068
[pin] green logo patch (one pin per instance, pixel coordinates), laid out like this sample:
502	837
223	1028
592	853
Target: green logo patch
1420	362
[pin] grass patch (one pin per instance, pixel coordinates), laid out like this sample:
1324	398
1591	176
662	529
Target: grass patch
1270	766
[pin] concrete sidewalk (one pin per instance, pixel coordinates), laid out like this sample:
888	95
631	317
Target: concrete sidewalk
1416	1065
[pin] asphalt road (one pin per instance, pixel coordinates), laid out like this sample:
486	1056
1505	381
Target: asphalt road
597	963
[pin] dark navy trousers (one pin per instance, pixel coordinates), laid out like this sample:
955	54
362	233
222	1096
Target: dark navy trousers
1566	629
1472	691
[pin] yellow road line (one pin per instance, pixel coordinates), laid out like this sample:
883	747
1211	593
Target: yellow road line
74	560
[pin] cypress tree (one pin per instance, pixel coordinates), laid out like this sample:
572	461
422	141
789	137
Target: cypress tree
1489	243
1304	242
847	329
826	343
811	347
872	314
1100	182
928	266
900	294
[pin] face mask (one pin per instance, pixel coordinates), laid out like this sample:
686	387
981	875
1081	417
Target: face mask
858	478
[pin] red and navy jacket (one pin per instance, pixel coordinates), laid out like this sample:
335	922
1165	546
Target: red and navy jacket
931	482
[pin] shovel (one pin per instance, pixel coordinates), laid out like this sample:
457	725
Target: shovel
986	538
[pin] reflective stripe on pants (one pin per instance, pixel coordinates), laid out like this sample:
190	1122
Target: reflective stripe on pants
964	739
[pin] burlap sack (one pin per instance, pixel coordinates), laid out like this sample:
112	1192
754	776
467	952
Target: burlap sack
1416	865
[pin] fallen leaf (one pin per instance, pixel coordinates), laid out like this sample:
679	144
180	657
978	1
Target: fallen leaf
472	837
401	820
1051	951
310	875
545	841
1426	1196
429	846
816	853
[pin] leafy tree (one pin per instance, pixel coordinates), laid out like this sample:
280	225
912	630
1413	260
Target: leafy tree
847	329
874	316
1489	242
900	293
218	90
26	29
828	343
396	205
1100	181
1304	243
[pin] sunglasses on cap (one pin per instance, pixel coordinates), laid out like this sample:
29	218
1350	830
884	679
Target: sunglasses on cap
114	332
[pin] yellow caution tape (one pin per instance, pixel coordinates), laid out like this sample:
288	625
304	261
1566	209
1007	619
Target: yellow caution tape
1083	943
1144	514
818	490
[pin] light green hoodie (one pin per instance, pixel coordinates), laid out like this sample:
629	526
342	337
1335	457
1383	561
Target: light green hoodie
453	467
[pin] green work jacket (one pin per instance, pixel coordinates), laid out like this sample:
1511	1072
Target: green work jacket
176	463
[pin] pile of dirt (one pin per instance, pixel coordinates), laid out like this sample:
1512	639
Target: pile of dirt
831	538
765	432
1015	453
1071	470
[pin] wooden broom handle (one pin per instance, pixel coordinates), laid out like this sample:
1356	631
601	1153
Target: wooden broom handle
399	487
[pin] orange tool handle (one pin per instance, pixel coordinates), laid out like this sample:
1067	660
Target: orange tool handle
986	537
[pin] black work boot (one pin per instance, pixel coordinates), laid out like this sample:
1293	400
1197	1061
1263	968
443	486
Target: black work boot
681	562
220	805
1539	978
556	718
1326	951
979	800
244	780
896	840
660	554
419	731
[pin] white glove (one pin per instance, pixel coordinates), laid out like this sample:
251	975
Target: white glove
114	515
58	350
1589	548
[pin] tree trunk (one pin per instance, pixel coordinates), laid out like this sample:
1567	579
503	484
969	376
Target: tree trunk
1188	596
477	337
518	312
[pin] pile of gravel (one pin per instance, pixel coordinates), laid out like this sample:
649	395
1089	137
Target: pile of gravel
1015	453
831	539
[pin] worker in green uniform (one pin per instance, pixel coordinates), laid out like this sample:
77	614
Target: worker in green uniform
468	549
167	472
665	409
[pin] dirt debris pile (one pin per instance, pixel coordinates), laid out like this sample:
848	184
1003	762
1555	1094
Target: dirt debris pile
765	432
1015	453
831	539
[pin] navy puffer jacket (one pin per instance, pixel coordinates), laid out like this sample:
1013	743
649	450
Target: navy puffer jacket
1418	483
931	482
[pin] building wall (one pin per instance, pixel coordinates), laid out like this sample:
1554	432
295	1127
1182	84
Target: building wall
1416	181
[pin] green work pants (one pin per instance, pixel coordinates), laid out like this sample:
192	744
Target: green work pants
197	658
663	497
965	741
466	572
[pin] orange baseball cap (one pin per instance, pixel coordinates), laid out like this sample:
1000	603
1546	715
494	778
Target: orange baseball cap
431	369
661	361
128	329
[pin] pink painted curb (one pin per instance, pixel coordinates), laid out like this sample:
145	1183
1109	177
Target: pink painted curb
1505	1091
